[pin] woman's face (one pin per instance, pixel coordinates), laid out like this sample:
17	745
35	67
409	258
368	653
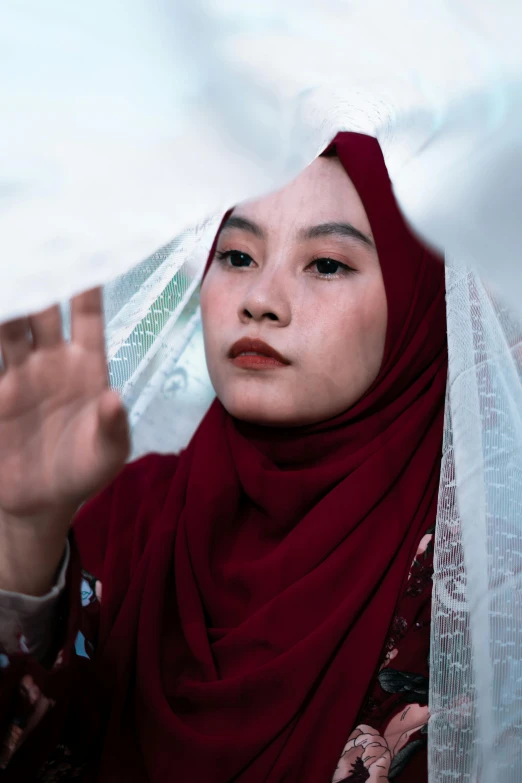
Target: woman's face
298	270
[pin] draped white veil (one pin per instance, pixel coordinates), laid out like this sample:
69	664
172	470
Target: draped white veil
129	122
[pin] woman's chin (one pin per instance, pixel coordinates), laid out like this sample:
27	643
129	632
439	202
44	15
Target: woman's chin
267	414
264	413
262	418
280	405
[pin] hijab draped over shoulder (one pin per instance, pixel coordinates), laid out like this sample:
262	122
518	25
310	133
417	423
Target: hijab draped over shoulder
250	586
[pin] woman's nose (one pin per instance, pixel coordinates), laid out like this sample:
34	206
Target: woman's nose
265	300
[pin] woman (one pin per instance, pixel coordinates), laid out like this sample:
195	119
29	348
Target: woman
256	608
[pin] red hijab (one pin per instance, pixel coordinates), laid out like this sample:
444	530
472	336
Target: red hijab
240	640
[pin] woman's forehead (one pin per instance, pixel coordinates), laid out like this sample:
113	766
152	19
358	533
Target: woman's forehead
322	193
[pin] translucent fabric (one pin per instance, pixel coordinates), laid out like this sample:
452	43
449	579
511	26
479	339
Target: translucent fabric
475	732
125	123
129	126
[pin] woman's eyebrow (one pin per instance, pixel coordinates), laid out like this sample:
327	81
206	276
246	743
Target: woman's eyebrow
336	229
234	221
312	232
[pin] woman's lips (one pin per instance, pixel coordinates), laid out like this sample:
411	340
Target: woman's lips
256	361
255	354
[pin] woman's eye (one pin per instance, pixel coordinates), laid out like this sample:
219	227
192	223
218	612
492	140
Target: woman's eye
328	267
235	257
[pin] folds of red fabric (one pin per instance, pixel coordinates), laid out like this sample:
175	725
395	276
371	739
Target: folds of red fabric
248	586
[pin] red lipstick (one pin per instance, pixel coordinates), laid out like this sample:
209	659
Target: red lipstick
254	354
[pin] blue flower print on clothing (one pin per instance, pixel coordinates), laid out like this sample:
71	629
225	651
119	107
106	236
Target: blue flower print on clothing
87	593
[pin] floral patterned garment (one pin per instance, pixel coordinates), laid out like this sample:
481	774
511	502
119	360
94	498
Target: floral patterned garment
390	739
389	742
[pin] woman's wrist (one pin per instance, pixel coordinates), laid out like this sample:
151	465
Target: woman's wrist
31	549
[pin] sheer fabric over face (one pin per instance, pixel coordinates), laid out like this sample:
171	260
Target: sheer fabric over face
449	122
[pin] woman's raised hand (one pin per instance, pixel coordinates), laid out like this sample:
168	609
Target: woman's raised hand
63	433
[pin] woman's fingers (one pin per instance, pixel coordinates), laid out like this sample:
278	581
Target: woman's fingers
111	412
15	341
114	425
87	327
20	336
46	327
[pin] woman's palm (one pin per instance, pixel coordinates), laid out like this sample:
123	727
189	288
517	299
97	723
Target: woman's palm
63	433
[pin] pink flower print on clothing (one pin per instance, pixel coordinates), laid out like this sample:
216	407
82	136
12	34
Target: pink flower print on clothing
10	744
366	756
423	545
390	655
420	571
33	705
370	756
407	722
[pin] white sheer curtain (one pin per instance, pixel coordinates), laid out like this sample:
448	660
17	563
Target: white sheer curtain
129	126
475	732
